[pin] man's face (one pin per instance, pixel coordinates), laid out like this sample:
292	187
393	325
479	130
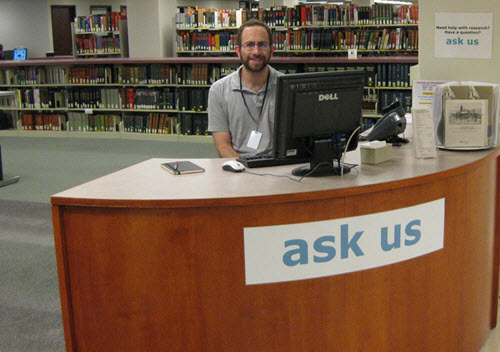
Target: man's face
255	51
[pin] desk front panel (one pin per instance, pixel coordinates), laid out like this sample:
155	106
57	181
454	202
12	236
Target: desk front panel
173	279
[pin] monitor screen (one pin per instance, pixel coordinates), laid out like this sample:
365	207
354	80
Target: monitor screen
318	117
20	54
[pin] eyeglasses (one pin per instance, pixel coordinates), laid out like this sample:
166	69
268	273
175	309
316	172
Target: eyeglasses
250	46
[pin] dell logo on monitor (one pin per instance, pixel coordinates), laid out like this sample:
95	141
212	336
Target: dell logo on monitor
331	96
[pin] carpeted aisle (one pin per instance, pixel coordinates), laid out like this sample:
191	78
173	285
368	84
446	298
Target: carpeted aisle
30	312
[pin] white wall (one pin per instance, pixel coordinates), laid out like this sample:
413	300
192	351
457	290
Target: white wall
143	28
151	28
481	70
83	6
24	24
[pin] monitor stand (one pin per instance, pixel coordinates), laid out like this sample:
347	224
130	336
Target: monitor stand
325	162
323	169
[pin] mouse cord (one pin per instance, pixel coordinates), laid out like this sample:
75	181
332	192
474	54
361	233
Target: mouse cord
283	176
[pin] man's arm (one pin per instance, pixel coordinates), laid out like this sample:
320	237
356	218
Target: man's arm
223	144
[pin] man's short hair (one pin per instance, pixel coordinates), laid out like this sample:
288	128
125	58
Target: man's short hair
1	47
252	23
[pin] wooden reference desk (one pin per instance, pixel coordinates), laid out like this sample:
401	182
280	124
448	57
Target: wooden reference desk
149	261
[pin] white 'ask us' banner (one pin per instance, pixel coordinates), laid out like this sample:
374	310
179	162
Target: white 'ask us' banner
324	248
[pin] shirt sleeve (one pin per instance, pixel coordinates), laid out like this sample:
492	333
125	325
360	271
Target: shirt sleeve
217	114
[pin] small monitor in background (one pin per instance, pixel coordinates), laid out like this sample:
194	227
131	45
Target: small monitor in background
20	54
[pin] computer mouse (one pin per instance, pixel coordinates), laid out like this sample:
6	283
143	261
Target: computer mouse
233	166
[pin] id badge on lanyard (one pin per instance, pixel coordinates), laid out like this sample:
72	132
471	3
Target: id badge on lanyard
254	140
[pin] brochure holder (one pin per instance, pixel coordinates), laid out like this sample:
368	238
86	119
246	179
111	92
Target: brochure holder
466	115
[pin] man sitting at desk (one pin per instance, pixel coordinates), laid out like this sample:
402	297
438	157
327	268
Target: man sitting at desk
241	105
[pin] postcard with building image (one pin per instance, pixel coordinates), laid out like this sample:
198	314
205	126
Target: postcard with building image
466	123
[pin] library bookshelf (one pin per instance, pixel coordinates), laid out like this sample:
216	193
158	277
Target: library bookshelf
157	98
368	40
307	29
100	36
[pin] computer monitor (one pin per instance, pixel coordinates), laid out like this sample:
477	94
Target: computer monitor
20	54
318	117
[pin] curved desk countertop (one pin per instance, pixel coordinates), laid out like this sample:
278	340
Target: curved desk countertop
150	261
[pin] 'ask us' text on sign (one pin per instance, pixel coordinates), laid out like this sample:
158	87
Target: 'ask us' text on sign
324	248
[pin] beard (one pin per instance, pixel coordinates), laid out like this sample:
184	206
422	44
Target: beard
255	66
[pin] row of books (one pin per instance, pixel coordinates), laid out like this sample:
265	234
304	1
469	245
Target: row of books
376	75
309	39
348	14
345	39
158	123
369	70
193	74
205	41
393	75
21	75
194	124
81	122
193	99
183	99
151	99
123	74
203	74
98	45
6	102
162	123
99	23
88	74
147	74
150	74
41	98
42	121
300	15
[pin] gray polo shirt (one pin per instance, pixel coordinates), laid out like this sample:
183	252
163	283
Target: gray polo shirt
227	111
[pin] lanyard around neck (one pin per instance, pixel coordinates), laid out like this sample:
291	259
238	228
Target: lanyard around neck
263	102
